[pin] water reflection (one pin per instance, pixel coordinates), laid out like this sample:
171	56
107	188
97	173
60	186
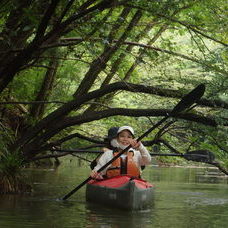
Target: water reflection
183	198
108	217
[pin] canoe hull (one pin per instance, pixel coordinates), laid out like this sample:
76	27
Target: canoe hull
129	194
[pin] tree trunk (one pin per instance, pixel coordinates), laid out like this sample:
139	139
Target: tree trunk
37	110
99	63
115	66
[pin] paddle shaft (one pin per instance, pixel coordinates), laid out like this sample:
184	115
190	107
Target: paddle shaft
180	155
182	105
114	158
77	188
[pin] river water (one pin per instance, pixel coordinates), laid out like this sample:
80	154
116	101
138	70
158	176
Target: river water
183	197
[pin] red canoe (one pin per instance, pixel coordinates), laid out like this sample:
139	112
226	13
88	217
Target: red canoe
121	191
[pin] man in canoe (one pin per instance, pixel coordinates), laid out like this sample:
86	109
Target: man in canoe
128	163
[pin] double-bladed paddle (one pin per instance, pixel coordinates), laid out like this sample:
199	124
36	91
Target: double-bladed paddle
182	105
195	155
205	156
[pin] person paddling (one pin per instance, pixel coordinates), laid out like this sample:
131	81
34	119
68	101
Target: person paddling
128	163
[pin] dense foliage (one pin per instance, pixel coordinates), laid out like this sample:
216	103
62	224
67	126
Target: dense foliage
71	69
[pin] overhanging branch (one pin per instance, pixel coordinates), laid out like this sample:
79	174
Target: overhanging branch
97	115
55	117
169	93
172	19
74	41
32	102
71	42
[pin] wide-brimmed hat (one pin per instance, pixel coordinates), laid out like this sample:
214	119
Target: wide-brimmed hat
130	129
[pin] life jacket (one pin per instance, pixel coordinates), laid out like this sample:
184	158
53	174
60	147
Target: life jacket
122	166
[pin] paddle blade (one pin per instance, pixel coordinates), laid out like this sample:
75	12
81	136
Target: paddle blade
200	156
189	99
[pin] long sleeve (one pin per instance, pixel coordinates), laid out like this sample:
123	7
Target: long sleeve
105	157
141	157
146	157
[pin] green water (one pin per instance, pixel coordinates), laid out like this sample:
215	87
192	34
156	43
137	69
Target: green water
184	197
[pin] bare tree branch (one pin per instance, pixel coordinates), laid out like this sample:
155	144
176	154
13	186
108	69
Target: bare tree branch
57	156
56	117
73	41
189	26
192	27
45	20
136	88
97	115
32	102
218	165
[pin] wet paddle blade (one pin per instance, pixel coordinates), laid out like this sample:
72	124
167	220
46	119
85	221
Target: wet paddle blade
189	99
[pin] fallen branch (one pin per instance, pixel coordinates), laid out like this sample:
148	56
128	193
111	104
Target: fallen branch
216	164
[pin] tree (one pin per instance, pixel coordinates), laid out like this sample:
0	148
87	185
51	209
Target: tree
95	50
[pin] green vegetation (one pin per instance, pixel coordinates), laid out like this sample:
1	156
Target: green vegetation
72	69
11	178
